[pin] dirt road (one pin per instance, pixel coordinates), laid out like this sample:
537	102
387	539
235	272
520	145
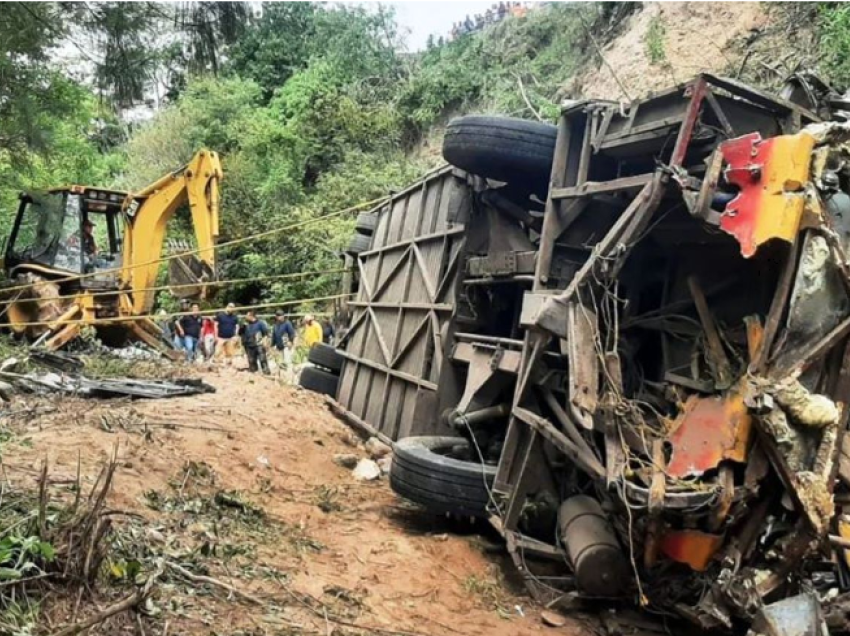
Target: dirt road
323	543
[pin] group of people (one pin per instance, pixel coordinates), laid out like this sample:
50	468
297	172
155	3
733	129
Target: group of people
493	14
208	336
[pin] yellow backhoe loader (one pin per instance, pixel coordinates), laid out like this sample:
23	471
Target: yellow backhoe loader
84	256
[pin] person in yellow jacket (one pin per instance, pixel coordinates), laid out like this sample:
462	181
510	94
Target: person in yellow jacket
312	331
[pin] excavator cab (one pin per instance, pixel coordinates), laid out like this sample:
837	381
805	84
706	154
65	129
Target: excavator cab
66	231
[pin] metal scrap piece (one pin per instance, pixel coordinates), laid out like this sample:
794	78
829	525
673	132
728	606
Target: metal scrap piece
691	547
771	174
707	431
799	615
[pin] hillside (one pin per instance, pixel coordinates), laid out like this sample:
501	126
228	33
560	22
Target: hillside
317	108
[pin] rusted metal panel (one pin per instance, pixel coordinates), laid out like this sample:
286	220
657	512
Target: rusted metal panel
406	299
709	430
770	174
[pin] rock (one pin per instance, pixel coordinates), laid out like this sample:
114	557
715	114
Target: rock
552	619
155	535
376	448
348	438
366	470
385	463
263	461
6	391
346	460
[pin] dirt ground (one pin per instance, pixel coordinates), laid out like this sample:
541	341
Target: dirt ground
352	550
694	37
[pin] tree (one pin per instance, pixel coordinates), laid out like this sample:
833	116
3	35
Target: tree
277	46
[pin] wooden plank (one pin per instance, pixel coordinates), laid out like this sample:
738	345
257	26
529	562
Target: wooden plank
601	187
355	422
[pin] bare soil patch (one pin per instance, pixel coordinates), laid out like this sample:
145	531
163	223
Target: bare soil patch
240	485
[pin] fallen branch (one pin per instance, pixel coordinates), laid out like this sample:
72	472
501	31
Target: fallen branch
43	575
525	98
173	426
197	578
137	597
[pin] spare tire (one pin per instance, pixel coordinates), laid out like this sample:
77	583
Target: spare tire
366	223
426	471
319	381
324	355
502	148
359	243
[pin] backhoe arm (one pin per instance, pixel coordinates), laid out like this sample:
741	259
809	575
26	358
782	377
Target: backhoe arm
147	214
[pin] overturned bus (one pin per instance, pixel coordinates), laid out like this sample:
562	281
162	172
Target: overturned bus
624	342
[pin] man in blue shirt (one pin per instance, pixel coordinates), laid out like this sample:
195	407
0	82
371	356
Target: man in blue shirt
189	328
227	332
283	341
253	333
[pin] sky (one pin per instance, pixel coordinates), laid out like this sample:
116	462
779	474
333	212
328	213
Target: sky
425	18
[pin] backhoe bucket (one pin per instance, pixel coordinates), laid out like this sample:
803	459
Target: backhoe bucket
188	276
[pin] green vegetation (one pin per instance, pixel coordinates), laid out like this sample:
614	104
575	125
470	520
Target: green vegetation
654	41
834	28
313	107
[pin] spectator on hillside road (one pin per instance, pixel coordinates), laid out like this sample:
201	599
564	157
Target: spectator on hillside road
189	328
283	340
254	332
227	332
313	332
208	329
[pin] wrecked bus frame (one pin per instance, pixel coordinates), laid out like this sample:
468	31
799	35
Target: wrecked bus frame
660	373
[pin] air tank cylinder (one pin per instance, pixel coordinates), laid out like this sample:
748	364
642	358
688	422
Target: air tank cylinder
601	568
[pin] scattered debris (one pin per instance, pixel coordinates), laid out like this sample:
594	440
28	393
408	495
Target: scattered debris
385	464
346	460
263	461
552	619
106	388
376	448
366	470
